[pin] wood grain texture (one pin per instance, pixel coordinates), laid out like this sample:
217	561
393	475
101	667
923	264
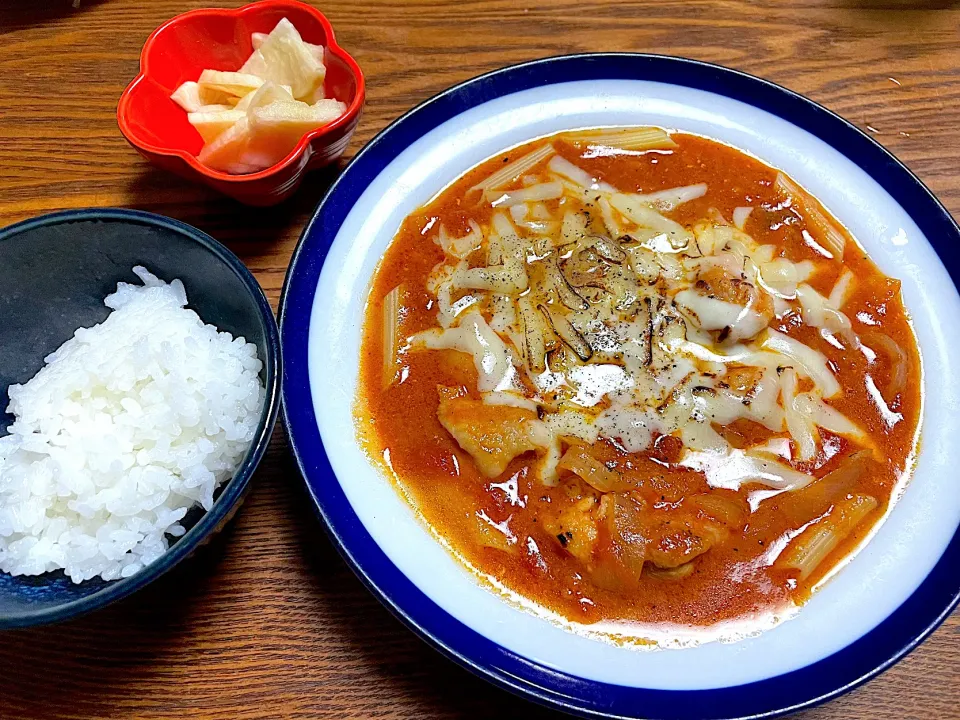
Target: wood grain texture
267	621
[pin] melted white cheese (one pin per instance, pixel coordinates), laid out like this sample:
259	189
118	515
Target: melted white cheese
632	428
712	314
475	337
665	358
732	468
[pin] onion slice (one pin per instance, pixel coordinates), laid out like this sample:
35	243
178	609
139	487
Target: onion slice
581	463
568	333
609	250
535	348
740	216
899	364
391	334
565	291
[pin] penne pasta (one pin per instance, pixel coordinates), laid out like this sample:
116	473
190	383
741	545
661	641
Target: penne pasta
510	172
634	139
828	233
391	335
808	550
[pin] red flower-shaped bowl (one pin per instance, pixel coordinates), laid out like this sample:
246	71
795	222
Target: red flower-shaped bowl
183	47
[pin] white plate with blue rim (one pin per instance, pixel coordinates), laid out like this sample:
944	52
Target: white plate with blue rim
900	586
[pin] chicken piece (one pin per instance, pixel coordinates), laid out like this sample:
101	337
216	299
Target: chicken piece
492	434
678	539
717	283
741	380
614	537
576	528
731	305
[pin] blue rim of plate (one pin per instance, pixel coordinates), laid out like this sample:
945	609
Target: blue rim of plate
818	682
233	491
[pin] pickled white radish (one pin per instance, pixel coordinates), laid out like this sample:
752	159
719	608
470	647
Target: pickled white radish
251	119
216	87
211	125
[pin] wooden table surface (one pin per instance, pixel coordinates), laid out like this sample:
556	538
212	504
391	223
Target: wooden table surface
268	622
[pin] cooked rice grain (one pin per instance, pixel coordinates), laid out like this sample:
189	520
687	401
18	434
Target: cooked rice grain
128	425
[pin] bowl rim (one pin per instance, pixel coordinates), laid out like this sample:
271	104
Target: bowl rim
892	639
341	123
235	488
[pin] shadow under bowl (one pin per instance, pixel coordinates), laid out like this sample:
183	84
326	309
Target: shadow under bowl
55	272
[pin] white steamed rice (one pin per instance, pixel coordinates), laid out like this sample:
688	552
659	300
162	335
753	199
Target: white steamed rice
129	424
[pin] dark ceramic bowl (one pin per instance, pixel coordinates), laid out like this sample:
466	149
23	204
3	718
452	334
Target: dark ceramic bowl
55	272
